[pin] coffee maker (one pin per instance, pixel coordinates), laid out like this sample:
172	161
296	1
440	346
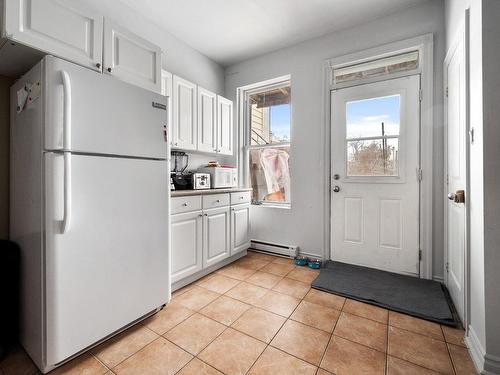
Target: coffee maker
179	178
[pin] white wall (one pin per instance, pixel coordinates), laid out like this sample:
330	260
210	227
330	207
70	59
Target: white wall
304	224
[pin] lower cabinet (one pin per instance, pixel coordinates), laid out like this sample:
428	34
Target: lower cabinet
216	238
240	228
206	236
186	241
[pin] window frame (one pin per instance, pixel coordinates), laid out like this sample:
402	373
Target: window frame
243	94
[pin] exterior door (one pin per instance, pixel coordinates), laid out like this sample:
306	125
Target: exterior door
224	126
375	179
240	228
207	120
184	130
216	245
186	244
106	246
456	169
131	58
60	28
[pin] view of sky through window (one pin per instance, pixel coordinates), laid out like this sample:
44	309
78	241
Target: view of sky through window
280	122
364	118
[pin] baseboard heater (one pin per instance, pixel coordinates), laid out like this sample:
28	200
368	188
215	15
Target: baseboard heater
274	248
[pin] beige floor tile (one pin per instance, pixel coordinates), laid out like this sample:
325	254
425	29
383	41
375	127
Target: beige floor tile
454	335
225	310
306	275
218	283
416	325
302	341
260	324
161	357
85	364
396	366
317	316
233	352
197	298
461	360
197	367
195	333
278	303
258	255
17	362
183	290
420	350
344	357
276	362
251	263
235	272
122	346
323	372
292	287
363	331
264	279
325	299
278	268
366	311
169	317
283	260
247	292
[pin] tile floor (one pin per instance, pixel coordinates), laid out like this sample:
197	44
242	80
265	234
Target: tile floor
259	316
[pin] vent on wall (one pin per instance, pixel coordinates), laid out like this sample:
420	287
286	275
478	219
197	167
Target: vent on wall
274	248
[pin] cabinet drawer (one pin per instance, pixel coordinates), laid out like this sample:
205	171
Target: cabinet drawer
215	200
185	204
241	197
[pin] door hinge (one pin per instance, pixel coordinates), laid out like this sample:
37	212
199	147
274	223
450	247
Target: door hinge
420	94
420	255
419	174
447	267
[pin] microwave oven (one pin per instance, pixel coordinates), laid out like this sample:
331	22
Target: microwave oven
222	177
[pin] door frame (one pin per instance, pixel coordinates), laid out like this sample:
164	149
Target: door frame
424	45
461	37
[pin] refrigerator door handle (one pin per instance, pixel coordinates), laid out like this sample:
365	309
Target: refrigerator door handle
67	193
67	110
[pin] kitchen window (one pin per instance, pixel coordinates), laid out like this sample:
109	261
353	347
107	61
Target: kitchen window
268	128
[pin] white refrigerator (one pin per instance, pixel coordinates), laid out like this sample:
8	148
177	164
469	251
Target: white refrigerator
89	207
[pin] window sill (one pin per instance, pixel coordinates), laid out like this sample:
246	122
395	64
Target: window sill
270	205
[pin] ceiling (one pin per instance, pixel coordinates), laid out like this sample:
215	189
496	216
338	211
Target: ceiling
229	31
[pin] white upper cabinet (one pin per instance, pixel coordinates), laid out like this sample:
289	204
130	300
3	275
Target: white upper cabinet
131	58
166	89
224	126
61	28
184	125
207	120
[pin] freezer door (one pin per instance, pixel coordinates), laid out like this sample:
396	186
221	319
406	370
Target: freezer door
106	246
89	112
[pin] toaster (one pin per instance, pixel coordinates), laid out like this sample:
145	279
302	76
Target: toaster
201	181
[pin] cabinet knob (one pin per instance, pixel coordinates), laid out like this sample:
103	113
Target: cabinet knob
218	200
98	65
109	70
200	215
185	204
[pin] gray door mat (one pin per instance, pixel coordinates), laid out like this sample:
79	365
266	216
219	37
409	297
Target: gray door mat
426	299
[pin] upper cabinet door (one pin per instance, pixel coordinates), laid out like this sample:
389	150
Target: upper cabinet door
166	89
207	120
184	125
224	126
131	58
60	28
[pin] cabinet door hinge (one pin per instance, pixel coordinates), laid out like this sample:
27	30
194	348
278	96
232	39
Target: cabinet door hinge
446	91
447	267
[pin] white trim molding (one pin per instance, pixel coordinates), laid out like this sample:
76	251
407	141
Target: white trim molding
425	46
476	350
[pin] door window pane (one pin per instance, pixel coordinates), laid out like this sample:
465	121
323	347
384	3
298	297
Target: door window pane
376	157
372	136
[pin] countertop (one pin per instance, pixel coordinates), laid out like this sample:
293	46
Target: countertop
183	193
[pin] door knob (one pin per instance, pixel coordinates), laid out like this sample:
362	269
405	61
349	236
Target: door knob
457	197
336	189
